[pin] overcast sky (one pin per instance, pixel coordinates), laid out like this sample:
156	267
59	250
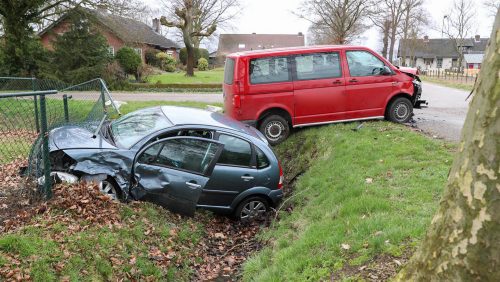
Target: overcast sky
276	16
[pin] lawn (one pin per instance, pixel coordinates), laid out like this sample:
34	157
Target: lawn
449	83
215	76
359	196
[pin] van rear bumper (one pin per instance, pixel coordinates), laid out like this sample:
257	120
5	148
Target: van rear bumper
250	122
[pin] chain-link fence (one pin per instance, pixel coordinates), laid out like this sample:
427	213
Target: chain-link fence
29	109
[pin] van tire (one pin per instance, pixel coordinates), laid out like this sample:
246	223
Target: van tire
275	128
400	110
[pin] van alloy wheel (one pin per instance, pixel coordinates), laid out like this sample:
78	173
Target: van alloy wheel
274	130
253	209
401	111
107	188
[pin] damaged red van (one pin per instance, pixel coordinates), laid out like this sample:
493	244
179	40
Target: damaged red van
277	89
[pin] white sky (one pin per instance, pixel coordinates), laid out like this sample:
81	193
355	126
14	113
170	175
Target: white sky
275	16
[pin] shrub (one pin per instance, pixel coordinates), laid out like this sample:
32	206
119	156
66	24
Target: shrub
115	76
198	53
144	72
152	59
168	63
129	60
202	64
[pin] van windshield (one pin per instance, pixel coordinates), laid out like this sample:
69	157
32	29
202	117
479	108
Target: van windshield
229	71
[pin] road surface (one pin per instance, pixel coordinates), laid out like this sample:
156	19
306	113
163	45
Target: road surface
443	118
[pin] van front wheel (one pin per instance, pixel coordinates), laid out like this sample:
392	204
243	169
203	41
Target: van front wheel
275	128
400	110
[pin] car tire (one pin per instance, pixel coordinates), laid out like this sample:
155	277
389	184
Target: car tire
275	128
108	187
252	208
400	110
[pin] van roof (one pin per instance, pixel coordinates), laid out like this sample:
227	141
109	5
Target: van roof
287	50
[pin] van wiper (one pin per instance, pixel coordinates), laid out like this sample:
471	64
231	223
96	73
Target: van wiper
100	125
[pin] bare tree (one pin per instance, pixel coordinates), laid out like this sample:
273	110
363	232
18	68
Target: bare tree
197	19
460	26
133	9
415	17
462	241
334	21
492	6
380	18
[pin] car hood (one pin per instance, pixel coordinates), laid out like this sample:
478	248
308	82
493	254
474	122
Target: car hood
413	71
74	137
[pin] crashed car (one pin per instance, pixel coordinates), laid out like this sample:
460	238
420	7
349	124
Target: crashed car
180	158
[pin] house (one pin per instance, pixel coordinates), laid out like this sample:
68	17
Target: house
439	53
232	43
118	31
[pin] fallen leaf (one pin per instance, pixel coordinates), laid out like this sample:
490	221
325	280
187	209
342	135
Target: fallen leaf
369	180
345	246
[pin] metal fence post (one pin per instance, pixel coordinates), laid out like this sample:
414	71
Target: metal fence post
66	110
45	148
103	97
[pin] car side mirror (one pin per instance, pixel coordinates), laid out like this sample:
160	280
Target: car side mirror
386	71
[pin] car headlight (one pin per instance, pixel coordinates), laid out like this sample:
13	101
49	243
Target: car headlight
416	82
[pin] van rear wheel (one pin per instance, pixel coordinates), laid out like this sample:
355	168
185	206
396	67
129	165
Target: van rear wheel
275	128
400	110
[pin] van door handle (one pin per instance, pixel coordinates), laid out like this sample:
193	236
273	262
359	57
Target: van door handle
337	82
353	80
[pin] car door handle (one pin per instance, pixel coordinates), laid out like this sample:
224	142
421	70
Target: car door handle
337	82
193	185
353	80
247	177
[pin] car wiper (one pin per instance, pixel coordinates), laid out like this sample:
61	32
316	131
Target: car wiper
98	129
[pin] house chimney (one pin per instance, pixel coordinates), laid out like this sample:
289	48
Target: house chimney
426	38
156	25
477	38
254	33
301	34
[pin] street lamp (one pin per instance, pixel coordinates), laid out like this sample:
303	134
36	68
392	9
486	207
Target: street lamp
442	26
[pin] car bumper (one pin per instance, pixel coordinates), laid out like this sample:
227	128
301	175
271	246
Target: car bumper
276	196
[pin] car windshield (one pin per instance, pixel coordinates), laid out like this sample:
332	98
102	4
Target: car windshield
132	127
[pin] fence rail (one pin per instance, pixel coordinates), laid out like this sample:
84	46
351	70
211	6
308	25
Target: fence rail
29	109
458	77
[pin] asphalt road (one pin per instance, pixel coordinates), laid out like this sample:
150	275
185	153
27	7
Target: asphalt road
445	115
443	118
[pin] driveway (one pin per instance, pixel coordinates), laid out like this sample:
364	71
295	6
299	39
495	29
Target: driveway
445	116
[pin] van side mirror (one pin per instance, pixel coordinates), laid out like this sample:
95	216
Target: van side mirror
386	71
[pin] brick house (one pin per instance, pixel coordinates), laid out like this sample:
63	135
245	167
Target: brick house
440	53
118	31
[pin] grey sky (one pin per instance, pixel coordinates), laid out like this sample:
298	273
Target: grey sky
275	16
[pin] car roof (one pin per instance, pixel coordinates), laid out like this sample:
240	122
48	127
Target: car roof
301	49
191	116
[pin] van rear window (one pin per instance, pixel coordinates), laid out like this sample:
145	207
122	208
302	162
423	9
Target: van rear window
269	70
229	71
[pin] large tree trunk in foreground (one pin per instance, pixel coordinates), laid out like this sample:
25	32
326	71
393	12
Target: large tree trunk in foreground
463	241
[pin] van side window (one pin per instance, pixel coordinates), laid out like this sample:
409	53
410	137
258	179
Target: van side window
318	66
269	70
363	63
229	71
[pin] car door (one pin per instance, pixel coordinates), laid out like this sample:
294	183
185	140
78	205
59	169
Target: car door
234	172
319	88
367	86
172	172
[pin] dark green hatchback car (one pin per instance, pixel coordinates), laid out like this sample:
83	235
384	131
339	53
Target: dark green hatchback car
181	158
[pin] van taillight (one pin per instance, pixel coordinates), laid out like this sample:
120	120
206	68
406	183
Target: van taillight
282	177
236	101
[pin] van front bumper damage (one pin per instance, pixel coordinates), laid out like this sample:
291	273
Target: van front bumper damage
417	94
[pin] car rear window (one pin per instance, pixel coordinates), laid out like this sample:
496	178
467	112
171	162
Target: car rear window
229	71
269	70
237	152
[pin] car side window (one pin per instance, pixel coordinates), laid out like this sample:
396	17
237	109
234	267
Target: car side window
149	156
262	160
237	152
318	66
363	63
192	155
269	70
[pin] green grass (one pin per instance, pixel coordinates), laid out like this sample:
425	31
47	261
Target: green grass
210	76
50	252
449	83
334	204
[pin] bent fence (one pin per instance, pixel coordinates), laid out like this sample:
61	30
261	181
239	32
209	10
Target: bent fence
29	109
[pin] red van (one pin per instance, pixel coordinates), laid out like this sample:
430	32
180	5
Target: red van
276	89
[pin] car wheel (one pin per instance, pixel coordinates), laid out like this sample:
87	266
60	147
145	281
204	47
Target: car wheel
275	128
108	188
252	208
400	110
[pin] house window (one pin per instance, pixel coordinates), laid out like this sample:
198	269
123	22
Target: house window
138	51
111	50
428	62
439	63
170	52
241	46
454	63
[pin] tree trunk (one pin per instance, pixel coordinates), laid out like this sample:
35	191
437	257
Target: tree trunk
385	38
188	41
393	41
462	243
